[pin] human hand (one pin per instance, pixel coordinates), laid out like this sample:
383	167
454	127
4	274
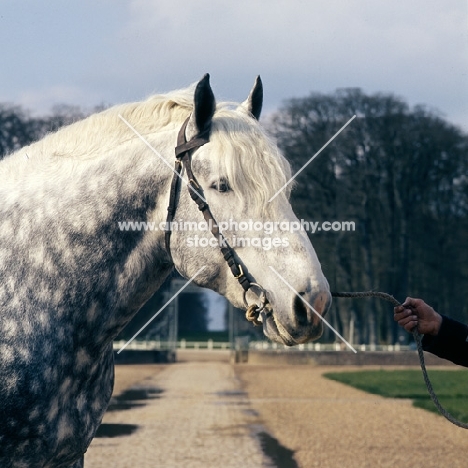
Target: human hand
416	313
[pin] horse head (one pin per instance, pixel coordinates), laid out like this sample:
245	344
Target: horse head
240	174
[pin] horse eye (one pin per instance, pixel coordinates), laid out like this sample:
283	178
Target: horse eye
221	185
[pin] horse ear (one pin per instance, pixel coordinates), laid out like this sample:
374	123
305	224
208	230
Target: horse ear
203	109
254	102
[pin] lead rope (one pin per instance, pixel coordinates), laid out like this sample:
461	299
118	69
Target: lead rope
417	338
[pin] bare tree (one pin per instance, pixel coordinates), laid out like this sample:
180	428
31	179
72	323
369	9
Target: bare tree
400	174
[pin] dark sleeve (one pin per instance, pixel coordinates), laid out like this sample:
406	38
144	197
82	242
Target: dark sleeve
451	342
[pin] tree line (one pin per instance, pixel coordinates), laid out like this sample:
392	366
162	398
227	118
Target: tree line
398	172
19	128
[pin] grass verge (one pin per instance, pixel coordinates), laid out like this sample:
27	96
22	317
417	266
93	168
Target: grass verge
450	386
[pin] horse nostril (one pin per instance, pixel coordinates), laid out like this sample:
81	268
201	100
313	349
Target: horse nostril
301	312
322	303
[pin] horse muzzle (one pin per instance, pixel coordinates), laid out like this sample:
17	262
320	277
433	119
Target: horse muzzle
303	323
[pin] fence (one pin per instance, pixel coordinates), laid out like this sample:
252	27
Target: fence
241	343
181	344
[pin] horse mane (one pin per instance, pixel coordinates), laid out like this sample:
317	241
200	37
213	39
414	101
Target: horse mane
104	131
253	165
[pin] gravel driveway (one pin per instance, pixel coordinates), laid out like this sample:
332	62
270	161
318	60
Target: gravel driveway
200	420
216	415
330	425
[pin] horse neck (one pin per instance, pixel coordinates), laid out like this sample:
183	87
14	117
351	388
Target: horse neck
136	190
106	273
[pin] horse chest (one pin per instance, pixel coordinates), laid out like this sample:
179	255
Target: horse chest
52	416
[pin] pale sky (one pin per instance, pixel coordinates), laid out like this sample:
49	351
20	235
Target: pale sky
109	51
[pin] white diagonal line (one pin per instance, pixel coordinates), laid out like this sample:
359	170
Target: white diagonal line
313	310
157	153
145	141
161	309
312	158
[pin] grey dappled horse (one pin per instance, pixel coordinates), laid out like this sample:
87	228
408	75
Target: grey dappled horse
71	278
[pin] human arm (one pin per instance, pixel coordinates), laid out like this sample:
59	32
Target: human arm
443	336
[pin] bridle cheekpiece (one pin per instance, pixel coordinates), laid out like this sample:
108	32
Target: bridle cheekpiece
183	154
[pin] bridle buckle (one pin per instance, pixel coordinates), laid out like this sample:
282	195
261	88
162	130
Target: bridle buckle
241	274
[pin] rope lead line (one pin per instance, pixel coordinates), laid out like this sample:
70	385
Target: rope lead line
417	338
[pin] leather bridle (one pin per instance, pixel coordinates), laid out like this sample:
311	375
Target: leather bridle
183	154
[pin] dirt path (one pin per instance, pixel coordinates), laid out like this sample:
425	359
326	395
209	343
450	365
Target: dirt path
331	425
213	414
201	420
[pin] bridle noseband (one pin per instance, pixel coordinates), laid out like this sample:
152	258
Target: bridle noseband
183	154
